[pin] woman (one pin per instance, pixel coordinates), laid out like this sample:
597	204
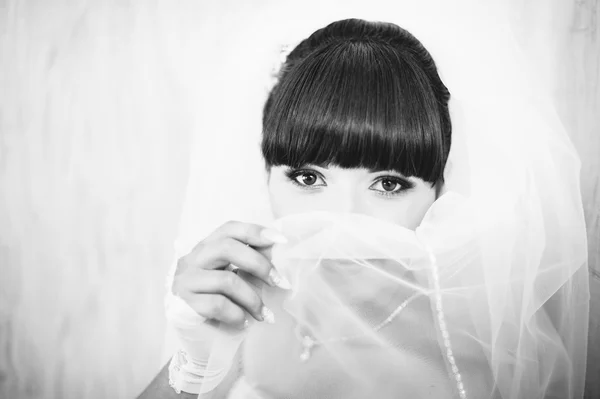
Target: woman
393	269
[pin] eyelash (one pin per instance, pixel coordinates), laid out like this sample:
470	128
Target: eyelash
292	174
405	185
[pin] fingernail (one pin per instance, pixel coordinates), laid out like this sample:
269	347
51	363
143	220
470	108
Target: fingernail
274	236
278	280
267	315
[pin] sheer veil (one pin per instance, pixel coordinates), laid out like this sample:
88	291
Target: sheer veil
488	297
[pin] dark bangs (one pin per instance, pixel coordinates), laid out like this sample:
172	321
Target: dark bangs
357	103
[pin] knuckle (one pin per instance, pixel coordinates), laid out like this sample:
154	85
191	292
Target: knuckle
200	246
226	246
238	315
182	265
230	224
247	233
217	305
176	287
229	281
218	250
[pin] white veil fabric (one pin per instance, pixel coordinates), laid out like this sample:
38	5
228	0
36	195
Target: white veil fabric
487	298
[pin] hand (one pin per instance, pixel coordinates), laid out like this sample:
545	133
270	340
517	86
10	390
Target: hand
205	281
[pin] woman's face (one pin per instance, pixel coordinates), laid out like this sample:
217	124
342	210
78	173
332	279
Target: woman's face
385	195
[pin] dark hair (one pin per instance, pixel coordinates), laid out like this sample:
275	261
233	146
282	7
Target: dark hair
359	94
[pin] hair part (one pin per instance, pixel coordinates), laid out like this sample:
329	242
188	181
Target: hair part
359	94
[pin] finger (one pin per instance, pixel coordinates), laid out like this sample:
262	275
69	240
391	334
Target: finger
248	233
230	251
267	252
255	283
217	307
225	283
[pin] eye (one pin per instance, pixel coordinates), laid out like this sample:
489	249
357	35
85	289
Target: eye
306	178
390	185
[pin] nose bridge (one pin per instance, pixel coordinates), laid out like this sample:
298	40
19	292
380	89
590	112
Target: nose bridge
347	199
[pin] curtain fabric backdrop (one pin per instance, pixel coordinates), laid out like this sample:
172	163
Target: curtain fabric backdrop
100	103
